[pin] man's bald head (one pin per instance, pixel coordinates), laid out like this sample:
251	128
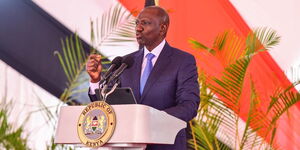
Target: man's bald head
159	12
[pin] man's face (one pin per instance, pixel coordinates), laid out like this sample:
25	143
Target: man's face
148	29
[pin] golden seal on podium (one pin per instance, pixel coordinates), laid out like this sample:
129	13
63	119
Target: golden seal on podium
96	124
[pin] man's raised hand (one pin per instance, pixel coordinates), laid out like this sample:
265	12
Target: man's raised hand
94	67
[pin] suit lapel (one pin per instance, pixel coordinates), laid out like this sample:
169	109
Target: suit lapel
161	63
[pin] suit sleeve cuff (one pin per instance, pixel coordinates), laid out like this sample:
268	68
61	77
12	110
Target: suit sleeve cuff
93	87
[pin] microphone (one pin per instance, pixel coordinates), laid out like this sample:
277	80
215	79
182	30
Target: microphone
127	63
114	65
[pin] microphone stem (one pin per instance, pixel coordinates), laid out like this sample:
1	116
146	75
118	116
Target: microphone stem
111	91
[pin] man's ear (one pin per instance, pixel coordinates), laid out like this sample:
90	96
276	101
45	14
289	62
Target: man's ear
163	29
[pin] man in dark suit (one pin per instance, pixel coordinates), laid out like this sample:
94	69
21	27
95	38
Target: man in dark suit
162	77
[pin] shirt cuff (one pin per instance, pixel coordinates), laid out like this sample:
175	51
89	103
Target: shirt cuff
93	87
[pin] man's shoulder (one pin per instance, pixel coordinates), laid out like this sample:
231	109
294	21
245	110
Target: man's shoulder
181	53
133	54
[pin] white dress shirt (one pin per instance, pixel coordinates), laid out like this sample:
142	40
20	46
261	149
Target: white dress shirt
156	51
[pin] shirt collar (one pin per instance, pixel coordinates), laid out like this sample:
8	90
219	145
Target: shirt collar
157	50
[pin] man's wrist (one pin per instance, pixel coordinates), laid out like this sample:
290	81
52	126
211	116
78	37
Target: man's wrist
95	81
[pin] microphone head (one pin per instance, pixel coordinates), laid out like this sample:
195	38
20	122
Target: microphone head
128	61
117	61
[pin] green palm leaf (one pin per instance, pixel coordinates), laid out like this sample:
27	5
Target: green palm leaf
282	100
267	37
205	126
117	27
10	138
256	119
197	45
206	139
230	85
73	62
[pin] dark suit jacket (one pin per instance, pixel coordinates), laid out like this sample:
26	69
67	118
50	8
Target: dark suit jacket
172	86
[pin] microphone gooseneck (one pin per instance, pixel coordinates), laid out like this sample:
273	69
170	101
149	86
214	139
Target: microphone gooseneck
116	63
127	63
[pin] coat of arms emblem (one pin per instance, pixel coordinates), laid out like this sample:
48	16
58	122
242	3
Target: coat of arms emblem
96	124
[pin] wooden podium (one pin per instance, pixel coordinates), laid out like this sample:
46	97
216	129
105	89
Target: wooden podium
136	126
